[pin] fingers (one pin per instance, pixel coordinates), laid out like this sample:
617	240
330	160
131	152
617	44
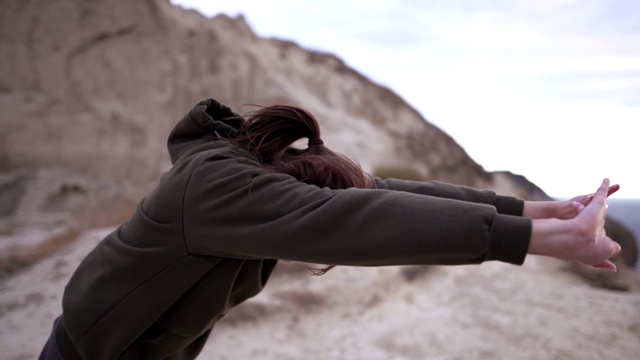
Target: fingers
613	189
608	265
616	248
600	196
586	199
603	190
578	206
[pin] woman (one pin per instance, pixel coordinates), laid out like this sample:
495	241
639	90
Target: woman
238	198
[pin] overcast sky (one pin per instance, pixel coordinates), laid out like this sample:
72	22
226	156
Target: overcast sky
549	89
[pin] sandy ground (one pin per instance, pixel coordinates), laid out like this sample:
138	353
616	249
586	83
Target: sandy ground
491	311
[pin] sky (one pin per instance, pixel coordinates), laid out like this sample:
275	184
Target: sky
548	89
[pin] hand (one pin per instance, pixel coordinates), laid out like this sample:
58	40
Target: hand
581	238
563	210
571	208
590	220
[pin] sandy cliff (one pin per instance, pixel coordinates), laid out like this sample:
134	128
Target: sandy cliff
90	90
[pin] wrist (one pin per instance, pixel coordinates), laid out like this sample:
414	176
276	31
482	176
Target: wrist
550	237
539	209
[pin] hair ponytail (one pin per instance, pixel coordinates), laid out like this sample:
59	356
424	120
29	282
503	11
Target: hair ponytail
270	130
269	133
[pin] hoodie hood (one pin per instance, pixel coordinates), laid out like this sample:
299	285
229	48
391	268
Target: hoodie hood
208	118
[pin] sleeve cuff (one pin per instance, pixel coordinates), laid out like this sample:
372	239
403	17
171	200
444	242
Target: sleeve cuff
510	237
509	205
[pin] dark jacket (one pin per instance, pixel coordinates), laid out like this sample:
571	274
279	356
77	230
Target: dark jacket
207	237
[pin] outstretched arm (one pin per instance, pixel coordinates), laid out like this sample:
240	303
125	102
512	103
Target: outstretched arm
233	207
504	204
581	238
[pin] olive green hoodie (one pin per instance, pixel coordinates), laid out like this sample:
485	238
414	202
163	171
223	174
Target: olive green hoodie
207	238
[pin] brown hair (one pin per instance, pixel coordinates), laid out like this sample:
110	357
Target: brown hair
269	133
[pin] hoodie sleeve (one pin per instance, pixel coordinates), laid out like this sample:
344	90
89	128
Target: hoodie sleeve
234	208
204	119
504	204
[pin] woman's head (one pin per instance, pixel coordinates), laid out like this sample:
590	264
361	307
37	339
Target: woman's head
270	132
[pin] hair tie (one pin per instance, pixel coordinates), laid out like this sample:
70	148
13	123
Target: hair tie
316	141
